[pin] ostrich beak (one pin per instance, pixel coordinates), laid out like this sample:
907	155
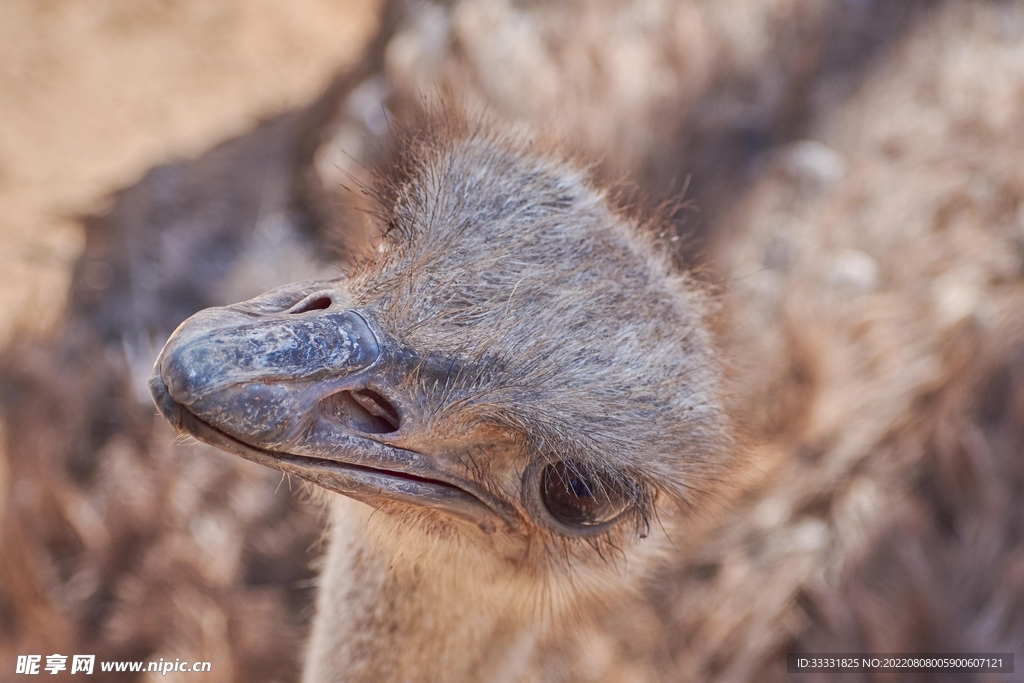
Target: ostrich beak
285	380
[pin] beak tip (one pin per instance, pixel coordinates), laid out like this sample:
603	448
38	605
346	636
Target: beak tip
181	374
167	406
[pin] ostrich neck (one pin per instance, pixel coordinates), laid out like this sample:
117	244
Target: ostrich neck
391	607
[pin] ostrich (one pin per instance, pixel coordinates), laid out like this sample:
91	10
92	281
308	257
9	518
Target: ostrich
859	491
518	394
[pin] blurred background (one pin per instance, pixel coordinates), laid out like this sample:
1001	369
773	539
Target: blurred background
92	96
853	165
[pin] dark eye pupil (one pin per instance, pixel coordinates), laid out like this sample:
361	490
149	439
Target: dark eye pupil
581	488
575	499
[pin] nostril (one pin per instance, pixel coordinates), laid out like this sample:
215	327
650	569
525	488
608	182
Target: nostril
314	303
363	410
377	405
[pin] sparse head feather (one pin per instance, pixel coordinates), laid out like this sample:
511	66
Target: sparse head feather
571	327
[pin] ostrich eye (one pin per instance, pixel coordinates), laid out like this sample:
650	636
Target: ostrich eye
577	499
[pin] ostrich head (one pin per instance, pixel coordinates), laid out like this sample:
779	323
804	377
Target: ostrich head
515	378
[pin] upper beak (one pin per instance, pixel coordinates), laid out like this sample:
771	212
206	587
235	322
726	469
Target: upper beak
295	381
